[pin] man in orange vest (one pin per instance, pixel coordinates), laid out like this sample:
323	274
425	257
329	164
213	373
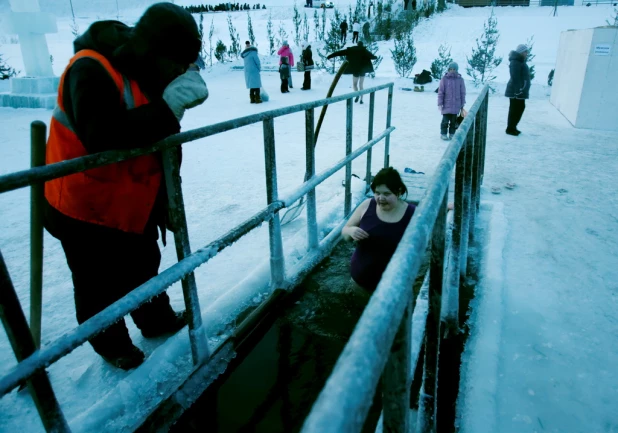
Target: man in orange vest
124	88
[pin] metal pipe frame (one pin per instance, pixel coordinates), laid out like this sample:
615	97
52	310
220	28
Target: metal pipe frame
197	336
188	262
38	136
344	402
21	179
372	103
389	112
312	219
347	206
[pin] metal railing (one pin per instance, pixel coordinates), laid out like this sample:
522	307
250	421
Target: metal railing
32	361
380	344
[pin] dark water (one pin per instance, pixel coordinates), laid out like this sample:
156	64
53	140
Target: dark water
271	388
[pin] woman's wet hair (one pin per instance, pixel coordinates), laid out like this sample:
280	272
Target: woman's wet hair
390	177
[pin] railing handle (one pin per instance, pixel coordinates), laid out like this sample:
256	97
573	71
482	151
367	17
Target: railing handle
38	133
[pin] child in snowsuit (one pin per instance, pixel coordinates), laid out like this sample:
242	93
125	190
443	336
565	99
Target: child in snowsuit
284	74
451	99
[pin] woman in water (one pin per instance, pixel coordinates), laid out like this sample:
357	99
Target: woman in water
377	226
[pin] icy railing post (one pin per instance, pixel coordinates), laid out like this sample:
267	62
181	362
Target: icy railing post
484	109
277	265
372	103
396	376
389	111
427	406
347	208
19	336
178	220
312	219
474	165
38	134
467	192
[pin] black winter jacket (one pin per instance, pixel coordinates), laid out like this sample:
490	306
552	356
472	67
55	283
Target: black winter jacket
91	102
359	59
518	86
307	58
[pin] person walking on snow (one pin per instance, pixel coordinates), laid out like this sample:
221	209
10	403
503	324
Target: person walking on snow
451	100
356	28
124	88
284	74
359	59
518	88
344	31
286	51
252	72
307	58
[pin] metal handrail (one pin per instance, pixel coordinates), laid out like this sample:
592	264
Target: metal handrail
380	344
33	362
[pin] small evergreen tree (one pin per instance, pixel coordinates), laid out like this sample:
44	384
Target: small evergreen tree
323	25
484	61
439	66
271	35
441	5
283	35
234	49
74	26
296	21
316	24
220	51
404	54
250	30
305	28
200	29
6	71
332	43
613	21
530	44
211	32
350	16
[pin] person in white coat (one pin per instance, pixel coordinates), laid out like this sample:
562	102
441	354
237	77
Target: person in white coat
356	28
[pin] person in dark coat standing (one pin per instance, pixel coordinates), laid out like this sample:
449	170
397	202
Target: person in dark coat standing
307	58
106	218
284	74
359	59
344	31
518	87
252	72
451	99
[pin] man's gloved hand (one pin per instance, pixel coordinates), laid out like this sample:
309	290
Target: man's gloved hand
186	91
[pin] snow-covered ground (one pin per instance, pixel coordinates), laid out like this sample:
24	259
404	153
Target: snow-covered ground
557	273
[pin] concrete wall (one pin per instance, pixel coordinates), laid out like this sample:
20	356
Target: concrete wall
598	108
585	86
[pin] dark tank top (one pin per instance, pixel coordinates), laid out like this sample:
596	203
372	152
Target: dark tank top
373	254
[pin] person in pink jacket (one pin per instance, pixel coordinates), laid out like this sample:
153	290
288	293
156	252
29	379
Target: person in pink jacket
285	51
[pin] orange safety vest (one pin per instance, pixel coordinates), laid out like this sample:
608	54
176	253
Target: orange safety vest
120	195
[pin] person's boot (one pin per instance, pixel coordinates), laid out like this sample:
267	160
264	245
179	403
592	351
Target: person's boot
166	327
512	131
356	99
252	97
125	358
258	99
444	137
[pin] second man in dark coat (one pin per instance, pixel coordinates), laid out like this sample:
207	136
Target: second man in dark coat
359	59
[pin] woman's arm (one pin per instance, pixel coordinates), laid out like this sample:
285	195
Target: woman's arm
352	231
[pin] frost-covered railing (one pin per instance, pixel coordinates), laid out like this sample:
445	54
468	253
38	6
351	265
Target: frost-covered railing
380	343
33	361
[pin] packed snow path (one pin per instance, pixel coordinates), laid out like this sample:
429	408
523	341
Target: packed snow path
557	356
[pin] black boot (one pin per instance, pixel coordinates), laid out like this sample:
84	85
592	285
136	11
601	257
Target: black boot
126	358
166	327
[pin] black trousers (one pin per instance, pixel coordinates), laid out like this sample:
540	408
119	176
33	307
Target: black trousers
344	36
284	85
106	266
354	37
307	80
516	110
449	122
